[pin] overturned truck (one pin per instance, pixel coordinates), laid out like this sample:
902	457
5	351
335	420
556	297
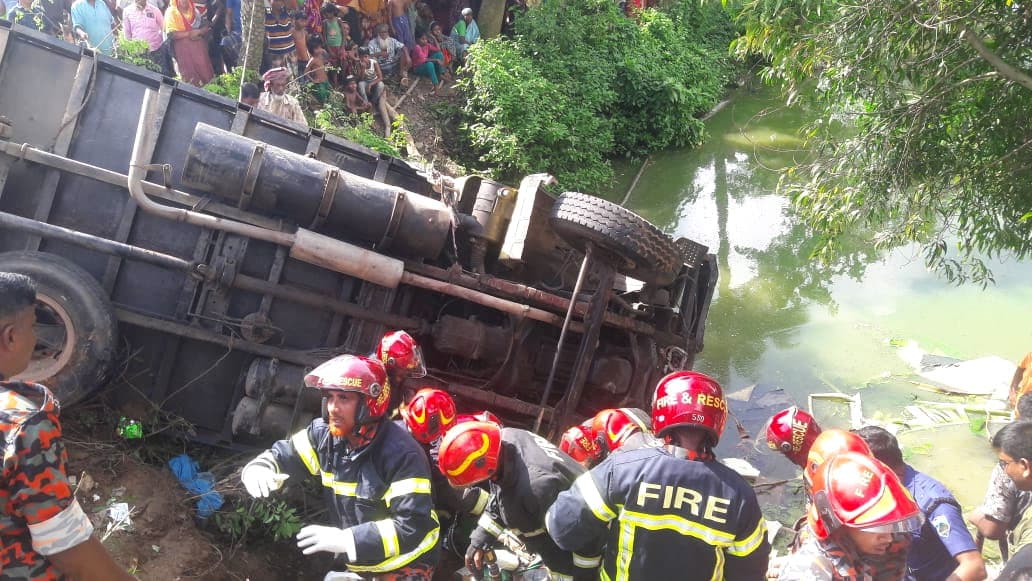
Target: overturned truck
200	255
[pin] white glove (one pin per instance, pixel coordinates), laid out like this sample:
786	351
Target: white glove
316	538
260	480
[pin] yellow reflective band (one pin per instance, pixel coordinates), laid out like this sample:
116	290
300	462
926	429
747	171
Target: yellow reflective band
718	567
407	486
593	498
625	550
304	450
489	524
586	562
559	576
389	536
681	525
341	488
484	445
481	504
749	544
428	542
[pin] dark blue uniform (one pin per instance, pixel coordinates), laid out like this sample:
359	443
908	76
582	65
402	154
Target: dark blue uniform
944	533
660	515
380	492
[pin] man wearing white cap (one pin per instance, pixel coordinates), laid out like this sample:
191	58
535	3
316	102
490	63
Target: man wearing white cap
465	32
275	99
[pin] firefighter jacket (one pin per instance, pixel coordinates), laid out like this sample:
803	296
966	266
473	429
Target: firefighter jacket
381	492
660	515
532	473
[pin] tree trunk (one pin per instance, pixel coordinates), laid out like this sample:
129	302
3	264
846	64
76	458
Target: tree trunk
253	16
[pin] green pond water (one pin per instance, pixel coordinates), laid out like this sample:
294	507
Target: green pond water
780	319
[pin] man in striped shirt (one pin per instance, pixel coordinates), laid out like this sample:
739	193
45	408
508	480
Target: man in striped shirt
279	34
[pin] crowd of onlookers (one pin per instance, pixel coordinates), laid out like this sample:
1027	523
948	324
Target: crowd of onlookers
346	46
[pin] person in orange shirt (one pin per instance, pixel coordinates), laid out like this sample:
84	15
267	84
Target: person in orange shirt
1022	382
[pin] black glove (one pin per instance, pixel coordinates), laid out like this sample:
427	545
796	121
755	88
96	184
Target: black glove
475	560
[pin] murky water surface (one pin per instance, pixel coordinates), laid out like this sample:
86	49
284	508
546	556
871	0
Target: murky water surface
781	319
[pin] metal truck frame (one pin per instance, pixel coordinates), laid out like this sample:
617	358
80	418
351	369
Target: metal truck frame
204	264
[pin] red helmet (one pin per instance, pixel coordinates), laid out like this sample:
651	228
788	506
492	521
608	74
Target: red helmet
578	442
469	452
359	374
612	427
792	432
429	414
399	352
827	445
856	491
481	416
689	399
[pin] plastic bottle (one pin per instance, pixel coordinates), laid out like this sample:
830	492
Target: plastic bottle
492	572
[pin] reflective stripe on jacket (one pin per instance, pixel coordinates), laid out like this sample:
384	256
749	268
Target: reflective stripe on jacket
663	517
381	492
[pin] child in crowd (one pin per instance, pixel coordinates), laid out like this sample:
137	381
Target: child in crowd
301	40
428	61
333	36
316	72
355	101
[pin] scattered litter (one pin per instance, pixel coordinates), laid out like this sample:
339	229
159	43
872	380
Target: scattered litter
155	548
120	514
86	483
202	484
96	498
118	491
856	410
773	528
73	479
129	429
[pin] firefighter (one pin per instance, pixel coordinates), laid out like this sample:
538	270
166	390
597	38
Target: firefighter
828	444
428	416
525	473
862	518
578	443
792	432
376	478
402	357
670	512
621	429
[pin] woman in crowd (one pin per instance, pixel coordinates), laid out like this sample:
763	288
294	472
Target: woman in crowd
189	31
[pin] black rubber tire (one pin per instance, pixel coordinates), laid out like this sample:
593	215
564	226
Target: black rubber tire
87	366
631	244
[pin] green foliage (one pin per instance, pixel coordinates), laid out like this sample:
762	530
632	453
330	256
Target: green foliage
135	52
228	84
334	118
922	116
580	82
261	518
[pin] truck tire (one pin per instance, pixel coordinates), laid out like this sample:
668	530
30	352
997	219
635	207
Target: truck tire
632	245
77	333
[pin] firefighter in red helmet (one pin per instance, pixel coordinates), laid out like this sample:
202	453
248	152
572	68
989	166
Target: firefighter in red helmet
827	445
791	432
578	443
376	478
402	357
861	519
525	474
670	512
622	429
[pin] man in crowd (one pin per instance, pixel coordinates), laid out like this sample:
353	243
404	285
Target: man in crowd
672	512
143	21
465	32
44	533
943	548
375	476
860	523
525	473
250	94
390	54
275	99
401	25
279	35
26	14
1004	513
93	23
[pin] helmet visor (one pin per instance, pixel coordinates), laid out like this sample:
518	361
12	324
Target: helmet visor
418	366
910	524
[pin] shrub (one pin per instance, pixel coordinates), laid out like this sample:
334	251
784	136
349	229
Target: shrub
580	83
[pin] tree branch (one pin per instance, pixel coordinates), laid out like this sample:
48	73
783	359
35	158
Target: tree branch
1005	69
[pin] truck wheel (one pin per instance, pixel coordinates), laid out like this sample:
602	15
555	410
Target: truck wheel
76	329
633	245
